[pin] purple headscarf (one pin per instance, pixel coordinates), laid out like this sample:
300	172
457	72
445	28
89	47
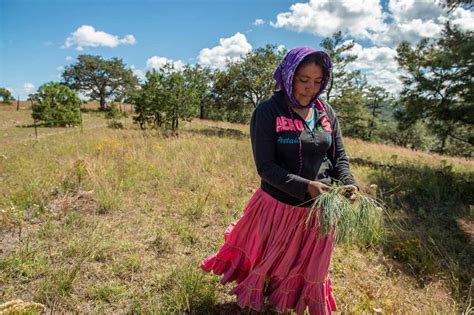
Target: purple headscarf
285	72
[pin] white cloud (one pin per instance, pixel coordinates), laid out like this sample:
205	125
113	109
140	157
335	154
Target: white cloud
12	90
463	18
258	22
404	20
86	36
421	28
138	72
413	20
232	48
379	65
407	10
359	18
28	88
128	40
60	68
68	58
411	31
156	62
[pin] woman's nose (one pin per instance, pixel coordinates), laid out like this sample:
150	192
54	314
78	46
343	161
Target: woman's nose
312	86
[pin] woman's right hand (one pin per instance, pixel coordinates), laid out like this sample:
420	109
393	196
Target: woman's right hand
317	188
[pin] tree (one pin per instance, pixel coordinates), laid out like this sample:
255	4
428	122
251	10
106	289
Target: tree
438	87
226	102
240	87
341	77
166	97
351	110
377	101
255	71
181	97
100	79
55	104
452	5
6	96
149	101
198	81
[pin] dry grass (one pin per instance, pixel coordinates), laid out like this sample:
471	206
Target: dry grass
397	155
116	221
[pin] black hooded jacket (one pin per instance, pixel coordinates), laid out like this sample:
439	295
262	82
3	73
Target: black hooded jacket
274	135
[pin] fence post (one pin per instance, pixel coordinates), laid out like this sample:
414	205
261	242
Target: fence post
18	103
80	114
36	131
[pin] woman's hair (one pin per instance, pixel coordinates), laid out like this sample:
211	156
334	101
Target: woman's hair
316	59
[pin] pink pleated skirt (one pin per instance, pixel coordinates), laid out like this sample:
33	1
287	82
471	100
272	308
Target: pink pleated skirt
275	258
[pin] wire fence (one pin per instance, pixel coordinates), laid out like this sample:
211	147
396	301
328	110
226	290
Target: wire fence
16	119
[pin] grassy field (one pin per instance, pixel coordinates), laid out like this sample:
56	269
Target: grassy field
117	220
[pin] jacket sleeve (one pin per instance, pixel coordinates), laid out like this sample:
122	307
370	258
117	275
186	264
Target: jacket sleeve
337	155
263	137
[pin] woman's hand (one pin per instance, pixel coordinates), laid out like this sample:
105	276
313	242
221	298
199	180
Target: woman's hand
349	192
317	188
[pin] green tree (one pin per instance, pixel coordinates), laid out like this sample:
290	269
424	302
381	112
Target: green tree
198	81
254	76
167	97
415	137
438	88
377	102
5	96
100	79
182	98
345	89
149	101
341	78
55	104
452	5
226	103
240	87
353	116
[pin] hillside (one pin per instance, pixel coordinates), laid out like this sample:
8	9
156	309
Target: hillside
117	220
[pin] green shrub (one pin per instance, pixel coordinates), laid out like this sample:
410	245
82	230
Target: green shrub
114	113
56	105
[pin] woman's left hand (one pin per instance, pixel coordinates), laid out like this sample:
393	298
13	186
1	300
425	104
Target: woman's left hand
349	192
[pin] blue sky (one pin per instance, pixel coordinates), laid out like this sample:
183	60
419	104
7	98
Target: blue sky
38	38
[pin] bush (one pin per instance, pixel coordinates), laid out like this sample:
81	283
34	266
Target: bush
56	105
5	96
114	113
114	124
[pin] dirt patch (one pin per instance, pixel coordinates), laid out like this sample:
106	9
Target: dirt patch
80	201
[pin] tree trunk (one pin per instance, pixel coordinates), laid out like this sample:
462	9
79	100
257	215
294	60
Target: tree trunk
372	122
202	114
157	120
443	144
103	104
328	93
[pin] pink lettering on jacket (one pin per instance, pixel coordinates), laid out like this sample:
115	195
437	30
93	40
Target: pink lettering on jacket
287	124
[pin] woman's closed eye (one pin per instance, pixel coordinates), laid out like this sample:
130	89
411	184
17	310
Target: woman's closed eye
306	81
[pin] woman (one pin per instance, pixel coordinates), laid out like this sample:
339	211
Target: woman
298	151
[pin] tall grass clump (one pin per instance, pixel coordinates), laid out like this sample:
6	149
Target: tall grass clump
188	290
359	223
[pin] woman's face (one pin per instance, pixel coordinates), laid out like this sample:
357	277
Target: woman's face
307	83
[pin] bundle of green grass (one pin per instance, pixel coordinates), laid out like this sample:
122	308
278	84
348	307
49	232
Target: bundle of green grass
360	222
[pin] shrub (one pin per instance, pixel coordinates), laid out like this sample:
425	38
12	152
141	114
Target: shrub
114	113
5	96
56	105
